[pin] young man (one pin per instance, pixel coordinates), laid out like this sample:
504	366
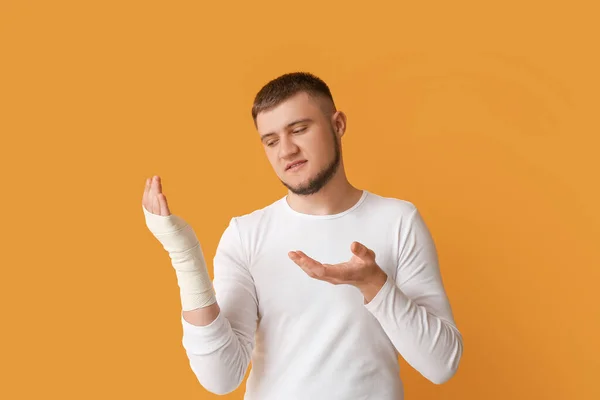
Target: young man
323	288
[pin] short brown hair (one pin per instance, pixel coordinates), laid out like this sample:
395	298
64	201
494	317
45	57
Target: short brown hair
286	86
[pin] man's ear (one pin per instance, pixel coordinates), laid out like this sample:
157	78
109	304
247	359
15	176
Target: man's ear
338	121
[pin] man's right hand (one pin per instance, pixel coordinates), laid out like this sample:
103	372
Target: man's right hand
179	240
154	200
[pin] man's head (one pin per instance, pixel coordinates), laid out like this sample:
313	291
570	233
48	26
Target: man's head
300	130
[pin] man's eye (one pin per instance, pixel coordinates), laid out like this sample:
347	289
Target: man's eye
272	143
299	130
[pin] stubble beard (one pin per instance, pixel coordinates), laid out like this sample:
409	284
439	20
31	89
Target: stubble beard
317	182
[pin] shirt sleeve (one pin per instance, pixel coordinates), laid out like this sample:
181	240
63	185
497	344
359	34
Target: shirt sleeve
220	353
413	308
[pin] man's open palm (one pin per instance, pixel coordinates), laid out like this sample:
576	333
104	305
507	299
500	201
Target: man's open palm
359	269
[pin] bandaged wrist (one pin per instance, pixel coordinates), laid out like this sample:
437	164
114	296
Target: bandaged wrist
179	240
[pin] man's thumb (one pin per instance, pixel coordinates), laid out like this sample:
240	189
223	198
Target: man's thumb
360	250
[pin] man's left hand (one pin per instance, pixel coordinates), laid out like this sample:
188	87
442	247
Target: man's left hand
360	271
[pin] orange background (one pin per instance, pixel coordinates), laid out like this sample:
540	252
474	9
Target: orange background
485	116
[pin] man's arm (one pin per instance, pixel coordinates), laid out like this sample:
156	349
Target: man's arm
220	351
218	329
414	310
202	316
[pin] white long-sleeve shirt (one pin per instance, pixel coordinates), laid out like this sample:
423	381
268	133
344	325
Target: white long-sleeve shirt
308	339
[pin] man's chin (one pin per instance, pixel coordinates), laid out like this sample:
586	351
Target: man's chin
303	189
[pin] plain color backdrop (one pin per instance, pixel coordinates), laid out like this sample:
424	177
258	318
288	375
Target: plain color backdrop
483	115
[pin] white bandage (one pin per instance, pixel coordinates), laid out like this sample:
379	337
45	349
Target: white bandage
180	241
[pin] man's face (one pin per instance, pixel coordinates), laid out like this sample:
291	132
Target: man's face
300	143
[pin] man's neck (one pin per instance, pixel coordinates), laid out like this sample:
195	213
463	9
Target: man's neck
335	197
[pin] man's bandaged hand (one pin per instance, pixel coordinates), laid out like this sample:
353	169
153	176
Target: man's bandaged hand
179	239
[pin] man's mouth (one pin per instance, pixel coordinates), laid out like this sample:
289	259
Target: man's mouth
295	165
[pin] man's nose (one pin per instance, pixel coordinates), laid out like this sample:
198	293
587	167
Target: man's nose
287	147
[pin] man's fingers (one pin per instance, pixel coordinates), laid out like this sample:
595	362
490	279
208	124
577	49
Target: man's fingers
155	205
306	260
158	184
332	273
164	206
153	199
312	267
146	198
341	273
151	189
154	186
